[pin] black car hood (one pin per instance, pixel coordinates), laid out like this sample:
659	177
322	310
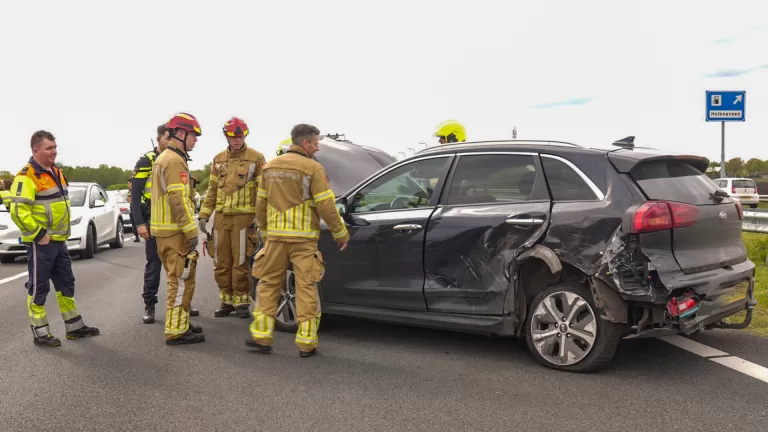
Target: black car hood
347	163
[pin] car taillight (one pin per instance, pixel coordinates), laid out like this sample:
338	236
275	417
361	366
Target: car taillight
123	209
663	215
681	307
733	189
739	209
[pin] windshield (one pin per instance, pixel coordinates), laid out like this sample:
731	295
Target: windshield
76	196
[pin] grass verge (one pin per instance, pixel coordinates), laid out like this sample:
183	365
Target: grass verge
757	250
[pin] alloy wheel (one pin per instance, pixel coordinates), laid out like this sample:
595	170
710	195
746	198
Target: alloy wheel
563	328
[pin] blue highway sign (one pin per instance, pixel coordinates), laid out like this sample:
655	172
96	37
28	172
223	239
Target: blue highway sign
726	105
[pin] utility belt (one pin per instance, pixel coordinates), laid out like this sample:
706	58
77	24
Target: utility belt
146	208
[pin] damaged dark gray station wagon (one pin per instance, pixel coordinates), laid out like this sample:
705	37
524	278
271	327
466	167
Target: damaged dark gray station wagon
570	248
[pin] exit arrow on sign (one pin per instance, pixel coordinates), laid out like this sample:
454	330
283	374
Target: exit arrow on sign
738	99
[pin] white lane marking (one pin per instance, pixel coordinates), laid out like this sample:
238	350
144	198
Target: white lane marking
723	358
12	278
747	368
699	349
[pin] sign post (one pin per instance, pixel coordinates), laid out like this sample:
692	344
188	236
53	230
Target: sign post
725	106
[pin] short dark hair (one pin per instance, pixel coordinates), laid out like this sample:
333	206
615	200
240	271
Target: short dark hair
39	136
302	132
161	130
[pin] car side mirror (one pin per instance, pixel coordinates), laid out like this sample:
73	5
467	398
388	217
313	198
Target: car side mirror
99	203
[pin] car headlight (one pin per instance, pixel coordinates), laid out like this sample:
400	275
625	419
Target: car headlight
76	221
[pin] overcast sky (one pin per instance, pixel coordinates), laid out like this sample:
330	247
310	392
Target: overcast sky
102	75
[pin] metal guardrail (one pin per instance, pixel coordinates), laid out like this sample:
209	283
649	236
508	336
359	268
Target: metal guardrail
755	220
763	198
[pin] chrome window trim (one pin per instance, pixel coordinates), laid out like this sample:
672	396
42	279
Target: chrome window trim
600	195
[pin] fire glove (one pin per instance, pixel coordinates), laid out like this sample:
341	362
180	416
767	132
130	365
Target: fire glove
202	223
193	243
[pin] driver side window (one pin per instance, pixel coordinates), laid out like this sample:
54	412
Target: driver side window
406	187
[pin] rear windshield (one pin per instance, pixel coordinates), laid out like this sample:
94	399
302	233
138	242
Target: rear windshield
744	184
674	180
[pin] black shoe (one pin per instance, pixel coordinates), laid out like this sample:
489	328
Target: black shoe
186	339
224	310
195	329
193	312
83	332
305	354
242	312
149	315
136	240
47	341
263	349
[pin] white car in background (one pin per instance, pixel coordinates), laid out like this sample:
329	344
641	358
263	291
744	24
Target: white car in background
744	189
95	220
121	198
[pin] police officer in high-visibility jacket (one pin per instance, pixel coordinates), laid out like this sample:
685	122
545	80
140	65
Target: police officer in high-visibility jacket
40	208
232	195
293	195
172	223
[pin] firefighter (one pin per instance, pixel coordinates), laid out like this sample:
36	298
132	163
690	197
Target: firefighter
450	131
232	195
293	195
40	208
282	144
141	204
173	225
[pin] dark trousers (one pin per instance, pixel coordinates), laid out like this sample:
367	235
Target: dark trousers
152	270
51	263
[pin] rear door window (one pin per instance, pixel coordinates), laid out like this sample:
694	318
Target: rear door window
674	180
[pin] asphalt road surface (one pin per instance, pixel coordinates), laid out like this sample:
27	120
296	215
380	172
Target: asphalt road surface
367	376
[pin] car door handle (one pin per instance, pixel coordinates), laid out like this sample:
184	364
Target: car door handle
406	227
527	221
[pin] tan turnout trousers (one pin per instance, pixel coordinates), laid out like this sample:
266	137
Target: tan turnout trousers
172	251
269	267
231	260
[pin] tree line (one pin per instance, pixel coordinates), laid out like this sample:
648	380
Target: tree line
112	177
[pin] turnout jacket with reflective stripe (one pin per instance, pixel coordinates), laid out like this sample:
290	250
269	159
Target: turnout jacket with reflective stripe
293	195
40	203
172	208
233	182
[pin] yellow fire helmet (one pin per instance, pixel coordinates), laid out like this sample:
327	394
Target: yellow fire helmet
283	144
451	131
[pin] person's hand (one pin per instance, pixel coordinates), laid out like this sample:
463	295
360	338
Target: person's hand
143	232
45	240
202	223
193	243
342	246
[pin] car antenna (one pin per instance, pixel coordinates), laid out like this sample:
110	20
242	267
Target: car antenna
627	143
153	143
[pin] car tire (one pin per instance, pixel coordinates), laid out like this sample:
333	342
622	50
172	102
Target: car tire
90	244
7	259
577	332
119	238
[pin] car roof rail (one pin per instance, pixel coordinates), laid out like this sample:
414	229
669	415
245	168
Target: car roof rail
505	142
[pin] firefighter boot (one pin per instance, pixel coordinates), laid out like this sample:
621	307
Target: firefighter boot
263	349
305	354
44	339
224	310
243	311
193	312
149	315
186	338
82	332
195	329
